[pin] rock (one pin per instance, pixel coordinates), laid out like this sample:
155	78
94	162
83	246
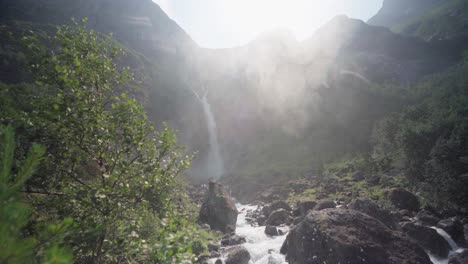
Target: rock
238	255
428	238
461	258
368	207
427	218
348	236
271	231
267	210
278	217
324	204
215	254
402	199
205	226
405	212
454	228
230	229
233	240
305	206
261	219
213	247
465	228
218	261
218	210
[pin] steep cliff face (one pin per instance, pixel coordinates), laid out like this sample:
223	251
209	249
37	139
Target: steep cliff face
399	12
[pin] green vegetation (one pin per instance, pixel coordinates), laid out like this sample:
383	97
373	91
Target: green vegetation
107	177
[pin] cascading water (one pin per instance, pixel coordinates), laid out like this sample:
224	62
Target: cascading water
215	165
454	247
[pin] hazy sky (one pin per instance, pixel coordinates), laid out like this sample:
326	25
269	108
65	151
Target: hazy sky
228	23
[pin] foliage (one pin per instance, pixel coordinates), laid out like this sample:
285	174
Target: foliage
106	166
15	245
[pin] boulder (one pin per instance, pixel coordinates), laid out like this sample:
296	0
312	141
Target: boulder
271	231
348	236
267	210
402	199
428	238
427	218
368	207
324	204
238	255
454	228
213	247
233	240
218	209
305	206
460	258
278	217
218	261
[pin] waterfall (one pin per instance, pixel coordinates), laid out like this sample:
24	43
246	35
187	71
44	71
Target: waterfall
454	247
214	165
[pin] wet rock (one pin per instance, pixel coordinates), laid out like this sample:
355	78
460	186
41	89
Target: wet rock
271	231
402	199
218	210
261	220
427	218
218	261
465	228
368	207
233	240
324	204
215	254
278	217
428	238
348	236
461	258
405	212
305	206
230	229
238	255
454	228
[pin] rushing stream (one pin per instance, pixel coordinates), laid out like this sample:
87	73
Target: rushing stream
264	249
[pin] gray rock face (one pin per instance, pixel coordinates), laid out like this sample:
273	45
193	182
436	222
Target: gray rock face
402	199
278	217
347	236
461	258
271	231
324	204
218	210
238	255
428	238
368	207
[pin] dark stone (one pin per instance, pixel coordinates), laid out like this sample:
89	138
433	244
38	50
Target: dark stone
278	217
305	206
213	247
218	261
454	228
427	218
368	207
348	236
460	258
405	212
402	199
238	255
267	210
325	204
428	238
215	254
230	229
218	210
261	219
271	231
233	240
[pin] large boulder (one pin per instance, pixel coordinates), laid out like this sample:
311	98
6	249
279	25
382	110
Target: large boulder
271	231
454	228
305	206
238	255
278	217
233	240
218	209
461	258
428	238
348	236
403	199
368	207
427	218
